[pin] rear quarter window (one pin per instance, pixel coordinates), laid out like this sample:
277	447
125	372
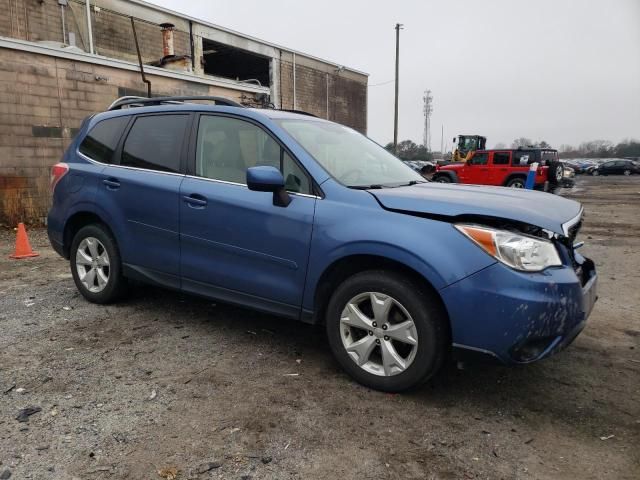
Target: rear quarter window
102	140
522	159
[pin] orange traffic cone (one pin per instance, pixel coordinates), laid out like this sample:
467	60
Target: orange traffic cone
23	247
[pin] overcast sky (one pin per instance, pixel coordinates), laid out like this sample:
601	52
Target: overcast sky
557	70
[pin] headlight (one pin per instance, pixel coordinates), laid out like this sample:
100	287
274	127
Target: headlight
528	254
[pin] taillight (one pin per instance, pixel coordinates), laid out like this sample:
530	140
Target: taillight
58	171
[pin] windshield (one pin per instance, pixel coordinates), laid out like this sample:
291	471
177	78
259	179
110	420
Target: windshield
351	158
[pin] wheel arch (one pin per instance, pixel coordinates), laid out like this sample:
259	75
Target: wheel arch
75	222
447	173
511	176
347	266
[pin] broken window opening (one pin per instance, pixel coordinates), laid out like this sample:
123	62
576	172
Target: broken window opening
230	62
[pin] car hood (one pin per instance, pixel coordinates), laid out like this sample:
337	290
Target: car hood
452	166
540	209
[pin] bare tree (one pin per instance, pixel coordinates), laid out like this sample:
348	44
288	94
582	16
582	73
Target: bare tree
566	148
522	142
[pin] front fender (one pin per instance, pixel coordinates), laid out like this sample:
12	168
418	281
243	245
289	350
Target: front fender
449	173
433	248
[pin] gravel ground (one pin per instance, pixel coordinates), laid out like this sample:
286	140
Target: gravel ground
164	381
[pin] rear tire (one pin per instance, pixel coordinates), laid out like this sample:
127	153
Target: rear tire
517	182
391	363
96	265
627	173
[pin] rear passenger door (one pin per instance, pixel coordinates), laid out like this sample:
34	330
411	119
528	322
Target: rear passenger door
499	167
236	244
141	192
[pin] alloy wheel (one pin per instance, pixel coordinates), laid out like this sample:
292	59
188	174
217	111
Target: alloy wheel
92	264
378	334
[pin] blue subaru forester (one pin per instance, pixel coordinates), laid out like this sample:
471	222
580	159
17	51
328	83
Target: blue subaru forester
307	219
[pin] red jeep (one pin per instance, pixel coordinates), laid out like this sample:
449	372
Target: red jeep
507	168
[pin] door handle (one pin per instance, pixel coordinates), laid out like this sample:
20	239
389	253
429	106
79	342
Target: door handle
195	201
111	183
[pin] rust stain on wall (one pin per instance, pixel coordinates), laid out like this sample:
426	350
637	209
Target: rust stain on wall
16	202
12	183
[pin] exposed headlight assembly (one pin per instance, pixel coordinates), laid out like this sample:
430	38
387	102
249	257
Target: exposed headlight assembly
521	252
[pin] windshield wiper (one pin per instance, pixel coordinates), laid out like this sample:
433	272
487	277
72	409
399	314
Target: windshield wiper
411	183
376	186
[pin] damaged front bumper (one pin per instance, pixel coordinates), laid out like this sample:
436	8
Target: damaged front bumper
514	317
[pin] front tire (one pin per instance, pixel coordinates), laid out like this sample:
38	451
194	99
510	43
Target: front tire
96	266
386	331
442	179
595	173
627	173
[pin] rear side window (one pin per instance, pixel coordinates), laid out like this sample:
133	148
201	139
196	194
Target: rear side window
102	140
155	143
501	158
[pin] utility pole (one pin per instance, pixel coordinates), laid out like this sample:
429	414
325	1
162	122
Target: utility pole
395	117
442	141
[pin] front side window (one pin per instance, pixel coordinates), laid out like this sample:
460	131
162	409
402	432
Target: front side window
155	143
295	180
479	159
348	156
102	140
227	147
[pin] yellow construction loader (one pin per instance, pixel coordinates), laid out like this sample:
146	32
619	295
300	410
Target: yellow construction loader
467	144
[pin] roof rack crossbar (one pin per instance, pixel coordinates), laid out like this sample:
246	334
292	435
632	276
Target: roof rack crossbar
145	102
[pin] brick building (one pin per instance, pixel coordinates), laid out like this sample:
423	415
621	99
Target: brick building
56	68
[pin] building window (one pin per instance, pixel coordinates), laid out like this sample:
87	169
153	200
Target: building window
229	62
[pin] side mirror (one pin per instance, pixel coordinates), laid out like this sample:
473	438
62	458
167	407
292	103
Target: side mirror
454	140
268	179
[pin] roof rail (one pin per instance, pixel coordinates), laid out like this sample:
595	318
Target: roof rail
130	101
299	112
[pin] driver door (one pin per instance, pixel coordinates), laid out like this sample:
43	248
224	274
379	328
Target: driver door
476	170
236	244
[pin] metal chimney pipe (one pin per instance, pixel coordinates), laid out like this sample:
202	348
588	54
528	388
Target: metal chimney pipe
167	39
